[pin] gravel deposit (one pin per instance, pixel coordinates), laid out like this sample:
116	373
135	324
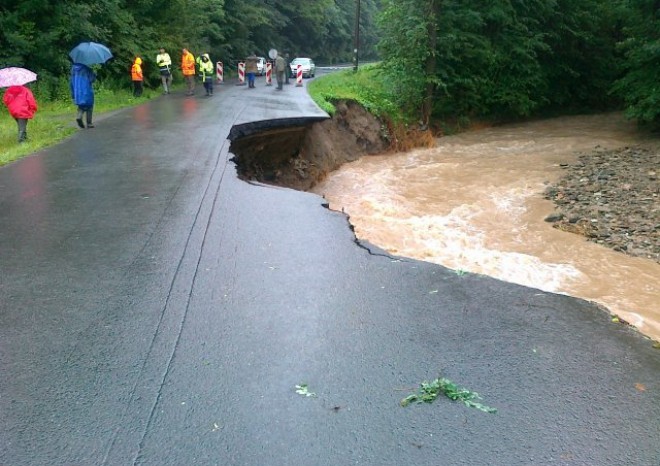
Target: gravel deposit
612	197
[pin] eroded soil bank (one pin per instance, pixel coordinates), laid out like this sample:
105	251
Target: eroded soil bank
300	154
611	197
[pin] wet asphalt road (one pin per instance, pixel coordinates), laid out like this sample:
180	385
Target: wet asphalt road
156	310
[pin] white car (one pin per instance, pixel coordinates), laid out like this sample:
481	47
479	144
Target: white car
261	66
308	67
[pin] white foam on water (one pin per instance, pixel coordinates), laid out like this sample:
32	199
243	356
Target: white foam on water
475	204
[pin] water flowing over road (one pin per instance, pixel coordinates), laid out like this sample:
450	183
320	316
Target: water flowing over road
475	203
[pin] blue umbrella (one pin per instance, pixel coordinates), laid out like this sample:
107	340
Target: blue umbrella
90	53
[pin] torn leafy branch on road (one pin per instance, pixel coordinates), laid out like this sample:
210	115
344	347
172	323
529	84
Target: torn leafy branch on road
303	389
429	391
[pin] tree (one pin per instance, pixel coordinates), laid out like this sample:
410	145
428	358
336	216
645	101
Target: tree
404	47
500	59
640	84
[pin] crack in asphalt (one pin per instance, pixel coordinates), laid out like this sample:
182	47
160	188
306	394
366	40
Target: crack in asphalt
182	322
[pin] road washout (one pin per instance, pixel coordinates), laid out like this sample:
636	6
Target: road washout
298	153
324	146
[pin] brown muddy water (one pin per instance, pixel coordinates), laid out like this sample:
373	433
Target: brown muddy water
475	204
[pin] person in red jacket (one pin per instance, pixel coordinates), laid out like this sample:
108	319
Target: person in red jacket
136	76
22	106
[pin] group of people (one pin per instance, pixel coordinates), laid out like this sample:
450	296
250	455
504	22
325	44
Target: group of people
281	63
22	105
190	66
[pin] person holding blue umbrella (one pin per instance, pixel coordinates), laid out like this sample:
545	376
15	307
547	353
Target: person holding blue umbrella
82	92
83	55
90	53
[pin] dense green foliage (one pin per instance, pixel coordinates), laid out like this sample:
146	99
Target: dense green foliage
640	84
443	58
38	34
517	58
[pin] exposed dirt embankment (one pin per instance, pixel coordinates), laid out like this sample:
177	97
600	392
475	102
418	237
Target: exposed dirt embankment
610	197
300	155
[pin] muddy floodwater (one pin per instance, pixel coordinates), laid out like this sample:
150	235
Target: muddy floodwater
475	204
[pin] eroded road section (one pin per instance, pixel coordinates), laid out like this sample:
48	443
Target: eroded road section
155	309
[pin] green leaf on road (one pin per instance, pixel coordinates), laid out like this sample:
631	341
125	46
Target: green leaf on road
429	391
303	390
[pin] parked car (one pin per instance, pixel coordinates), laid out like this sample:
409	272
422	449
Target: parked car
308	67
261	66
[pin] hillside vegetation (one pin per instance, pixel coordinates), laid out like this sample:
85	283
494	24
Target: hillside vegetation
447	59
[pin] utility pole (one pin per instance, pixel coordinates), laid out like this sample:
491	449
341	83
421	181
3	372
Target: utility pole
357	37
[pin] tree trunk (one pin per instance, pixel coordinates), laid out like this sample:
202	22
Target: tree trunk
432	26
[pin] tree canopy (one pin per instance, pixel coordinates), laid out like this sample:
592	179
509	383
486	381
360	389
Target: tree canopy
444	58
38	34
517	58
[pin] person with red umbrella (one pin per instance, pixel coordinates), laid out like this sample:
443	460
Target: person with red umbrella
22	107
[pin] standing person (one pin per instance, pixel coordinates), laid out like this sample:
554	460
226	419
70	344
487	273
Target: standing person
286	67
188	69
82	92
251	69
206	73
164	63
136	76
22	106
280	66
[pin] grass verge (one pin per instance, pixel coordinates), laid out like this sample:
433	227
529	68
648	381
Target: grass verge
55	121
370	88
367	87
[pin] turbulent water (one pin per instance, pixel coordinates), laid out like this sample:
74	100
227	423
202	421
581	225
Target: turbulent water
474	203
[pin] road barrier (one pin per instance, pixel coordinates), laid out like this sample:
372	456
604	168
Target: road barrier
299	75
219	72
269	74
241	73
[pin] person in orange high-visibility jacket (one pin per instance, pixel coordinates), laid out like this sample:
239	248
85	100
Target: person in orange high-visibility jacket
136	76
188	69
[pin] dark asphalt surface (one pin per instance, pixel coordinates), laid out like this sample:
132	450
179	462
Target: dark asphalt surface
156	310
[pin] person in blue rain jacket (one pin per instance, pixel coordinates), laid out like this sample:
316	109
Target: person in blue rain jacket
82	92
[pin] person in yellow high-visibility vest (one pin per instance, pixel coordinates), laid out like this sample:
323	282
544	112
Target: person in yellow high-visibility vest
188	69
164	63
206	73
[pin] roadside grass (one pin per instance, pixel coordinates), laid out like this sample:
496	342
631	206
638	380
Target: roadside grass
370	88
55	121
367	86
